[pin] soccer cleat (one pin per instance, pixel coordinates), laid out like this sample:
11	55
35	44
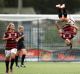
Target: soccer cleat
58	6
62	6
18	66
23	66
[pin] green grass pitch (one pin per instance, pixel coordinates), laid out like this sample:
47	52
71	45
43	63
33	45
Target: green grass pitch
45	68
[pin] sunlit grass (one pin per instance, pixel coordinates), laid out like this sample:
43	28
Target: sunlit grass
45	68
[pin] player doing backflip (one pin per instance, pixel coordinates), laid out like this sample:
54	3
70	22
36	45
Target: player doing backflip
66	26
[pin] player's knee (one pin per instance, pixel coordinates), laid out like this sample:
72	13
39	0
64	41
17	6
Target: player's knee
67	41
7	58
24	51
13	55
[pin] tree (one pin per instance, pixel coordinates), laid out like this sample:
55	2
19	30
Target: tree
48	6
1	6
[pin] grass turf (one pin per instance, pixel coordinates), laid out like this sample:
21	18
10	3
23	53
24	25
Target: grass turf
45	68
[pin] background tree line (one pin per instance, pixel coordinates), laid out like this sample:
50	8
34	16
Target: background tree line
43	6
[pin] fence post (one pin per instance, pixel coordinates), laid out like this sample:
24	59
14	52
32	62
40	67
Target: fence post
38	39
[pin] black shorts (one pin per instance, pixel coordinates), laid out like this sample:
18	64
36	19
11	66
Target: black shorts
20	46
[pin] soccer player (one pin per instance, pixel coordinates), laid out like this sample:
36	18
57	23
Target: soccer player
10	37
66	27
20	47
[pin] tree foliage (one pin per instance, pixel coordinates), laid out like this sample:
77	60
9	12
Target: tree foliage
48	6
44	6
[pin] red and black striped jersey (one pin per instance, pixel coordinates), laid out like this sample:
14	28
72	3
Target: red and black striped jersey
11	42
68	32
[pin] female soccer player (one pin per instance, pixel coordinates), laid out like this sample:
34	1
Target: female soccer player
66	27
11	46
20	46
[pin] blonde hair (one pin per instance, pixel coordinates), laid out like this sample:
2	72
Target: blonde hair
20	27
9	25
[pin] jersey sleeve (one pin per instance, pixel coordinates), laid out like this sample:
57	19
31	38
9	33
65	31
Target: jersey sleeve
5	35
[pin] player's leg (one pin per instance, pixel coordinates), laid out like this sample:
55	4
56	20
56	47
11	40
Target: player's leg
7	59
7	65
16	58
64	11
18	54
22	53
71	45
13	53
68	43
59	11
23	57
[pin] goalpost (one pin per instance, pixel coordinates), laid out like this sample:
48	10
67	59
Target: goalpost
29	17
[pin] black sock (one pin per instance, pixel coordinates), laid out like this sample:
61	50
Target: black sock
70	45
59	13
7	66
11	66
22	59
64	12
16	60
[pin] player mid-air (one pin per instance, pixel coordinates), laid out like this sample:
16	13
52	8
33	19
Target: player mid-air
66	26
